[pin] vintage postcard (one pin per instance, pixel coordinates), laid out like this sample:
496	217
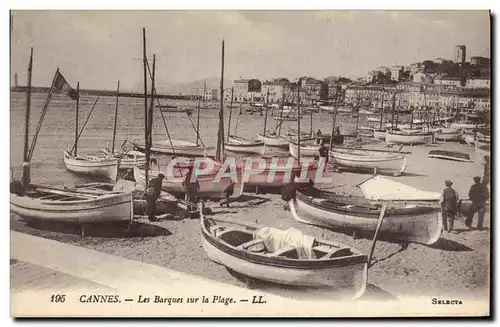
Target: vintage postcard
232	163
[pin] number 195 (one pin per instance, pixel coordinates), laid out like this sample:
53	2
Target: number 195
58	298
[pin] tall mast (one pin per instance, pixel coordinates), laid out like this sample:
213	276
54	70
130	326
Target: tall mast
204	91
76	120
334	115
265	115
311	123
382	110
146	138
220	137
198	120
230	112
298	121
28	109
116	117
151	107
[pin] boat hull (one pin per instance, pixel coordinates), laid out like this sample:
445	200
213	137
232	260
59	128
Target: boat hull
448	136
385	164
108	208
174	184
104	167
379	135
181	148
422	228
241	145
274	141
346	273
449	155
393	138
348	278
242	148
305	151
281	176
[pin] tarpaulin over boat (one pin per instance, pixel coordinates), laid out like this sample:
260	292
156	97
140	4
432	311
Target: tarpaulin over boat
381	188
276	239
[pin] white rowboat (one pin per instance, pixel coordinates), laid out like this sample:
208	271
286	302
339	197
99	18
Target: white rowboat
414	223
45	203
299	260
90	165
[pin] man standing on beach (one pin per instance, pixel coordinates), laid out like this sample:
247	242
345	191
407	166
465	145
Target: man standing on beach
191	188
478	194
152	194
449	199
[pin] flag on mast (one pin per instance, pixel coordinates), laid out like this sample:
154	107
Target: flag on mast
61	85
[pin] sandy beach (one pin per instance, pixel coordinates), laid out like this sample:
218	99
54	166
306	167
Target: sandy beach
456	267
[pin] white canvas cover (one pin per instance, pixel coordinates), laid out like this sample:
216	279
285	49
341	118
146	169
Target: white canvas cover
275	239
379	188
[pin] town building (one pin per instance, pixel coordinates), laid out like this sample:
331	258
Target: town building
397	73
459	55
478	83
247	90
422	78
480	61
451	81
275	88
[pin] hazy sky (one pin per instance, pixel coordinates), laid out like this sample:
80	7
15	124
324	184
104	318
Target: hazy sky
99	47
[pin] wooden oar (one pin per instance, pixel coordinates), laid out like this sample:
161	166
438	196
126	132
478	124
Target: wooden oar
379	224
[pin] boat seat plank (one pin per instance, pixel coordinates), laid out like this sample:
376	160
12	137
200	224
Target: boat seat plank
322	248
337	253
282	251
256	245
61	197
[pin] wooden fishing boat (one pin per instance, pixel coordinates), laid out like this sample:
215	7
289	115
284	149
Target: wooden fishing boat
47	203
408	222
448	134
286	257
306	150
304	136
379	134
449	155
166	203
381	162
466	125
395	137
126	159
274	140
173	182
173	146
277	171
103	167
241	145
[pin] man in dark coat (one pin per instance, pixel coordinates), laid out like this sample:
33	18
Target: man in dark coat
478	194
323	152
449	200
227	193
152	194
191	189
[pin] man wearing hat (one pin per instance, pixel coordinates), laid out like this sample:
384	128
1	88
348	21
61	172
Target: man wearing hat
478	194
152	193
449	200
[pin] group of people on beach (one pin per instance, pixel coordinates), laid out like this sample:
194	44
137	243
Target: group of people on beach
452	205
